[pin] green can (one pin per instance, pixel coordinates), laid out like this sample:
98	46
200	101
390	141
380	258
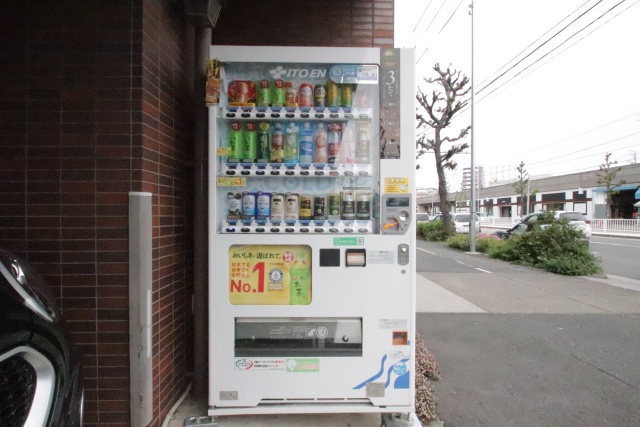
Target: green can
333	94
264	143
235	143
278	98
264	94
250	145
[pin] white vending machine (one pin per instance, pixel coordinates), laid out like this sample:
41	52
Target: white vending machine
311	230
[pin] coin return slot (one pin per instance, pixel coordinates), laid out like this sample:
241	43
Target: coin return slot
356	258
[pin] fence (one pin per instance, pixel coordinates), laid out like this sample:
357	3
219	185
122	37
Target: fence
599	226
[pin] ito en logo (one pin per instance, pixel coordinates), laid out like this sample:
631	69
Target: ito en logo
312	73
278	72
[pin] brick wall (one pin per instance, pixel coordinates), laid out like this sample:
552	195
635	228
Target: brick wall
364	23
94	104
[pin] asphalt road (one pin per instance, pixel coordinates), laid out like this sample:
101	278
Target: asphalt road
619	256
523	347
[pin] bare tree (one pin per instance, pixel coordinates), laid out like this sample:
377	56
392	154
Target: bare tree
521	185
607	178
435	112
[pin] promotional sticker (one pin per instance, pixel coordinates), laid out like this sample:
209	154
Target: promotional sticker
270	274
261	364
303	365
223	181
396	185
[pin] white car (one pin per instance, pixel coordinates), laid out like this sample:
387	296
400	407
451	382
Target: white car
577	219
461	222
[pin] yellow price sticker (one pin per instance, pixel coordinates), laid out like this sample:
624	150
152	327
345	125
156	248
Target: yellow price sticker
222	151
224	181
396	185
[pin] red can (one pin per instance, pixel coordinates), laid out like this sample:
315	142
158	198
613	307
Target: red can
306	95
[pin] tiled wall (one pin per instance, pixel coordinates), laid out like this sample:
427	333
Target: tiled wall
306	23
94	103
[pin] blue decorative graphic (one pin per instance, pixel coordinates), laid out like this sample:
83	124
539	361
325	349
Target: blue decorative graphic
399	368
376	376
403	381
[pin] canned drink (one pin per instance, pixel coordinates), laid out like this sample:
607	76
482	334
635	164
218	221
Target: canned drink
278	98
291	207
264	94
234	205
290	95
333	94
319	207
263	153
277	144
347	95
333	201
263	205
306	207
363	204
305	99
347	205
291	155
235	142
248	205
277	207
320	96
250	145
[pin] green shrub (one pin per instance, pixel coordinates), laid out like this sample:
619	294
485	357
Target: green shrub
486	244
557	247
432	230
459	241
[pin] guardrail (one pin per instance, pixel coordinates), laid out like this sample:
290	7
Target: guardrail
601	226
616	225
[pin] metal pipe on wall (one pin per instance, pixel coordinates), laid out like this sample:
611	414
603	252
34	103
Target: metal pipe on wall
202	41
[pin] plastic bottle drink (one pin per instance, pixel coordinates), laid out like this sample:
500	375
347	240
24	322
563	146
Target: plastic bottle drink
278	98
320	142
362	146
348	145
306	143
291	144
264	143
277	144
333	141
250	145
235	142
300	283
264	94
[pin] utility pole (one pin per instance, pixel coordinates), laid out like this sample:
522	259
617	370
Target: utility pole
472	221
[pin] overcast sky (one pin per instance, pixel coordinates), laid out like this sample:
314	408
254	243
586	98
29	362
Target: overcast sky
576	97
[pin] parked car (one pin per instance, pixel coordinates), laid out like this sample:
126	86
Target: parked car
40	372
460	221
422	217
576	219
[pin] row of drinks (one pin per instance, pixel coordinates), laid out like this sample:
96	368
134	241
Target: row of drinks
349	204
246	93
299	142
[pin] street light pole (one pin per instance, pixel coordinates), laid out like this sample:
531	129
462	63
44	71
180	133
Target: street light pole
472	222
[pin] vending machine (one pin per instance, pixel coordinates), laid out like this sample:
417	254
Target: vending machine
311	230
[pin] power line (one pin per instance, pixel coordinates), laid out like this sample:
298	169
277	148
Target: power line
540	46
534	42
552	50
578	134
486	97
585	149
418	23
